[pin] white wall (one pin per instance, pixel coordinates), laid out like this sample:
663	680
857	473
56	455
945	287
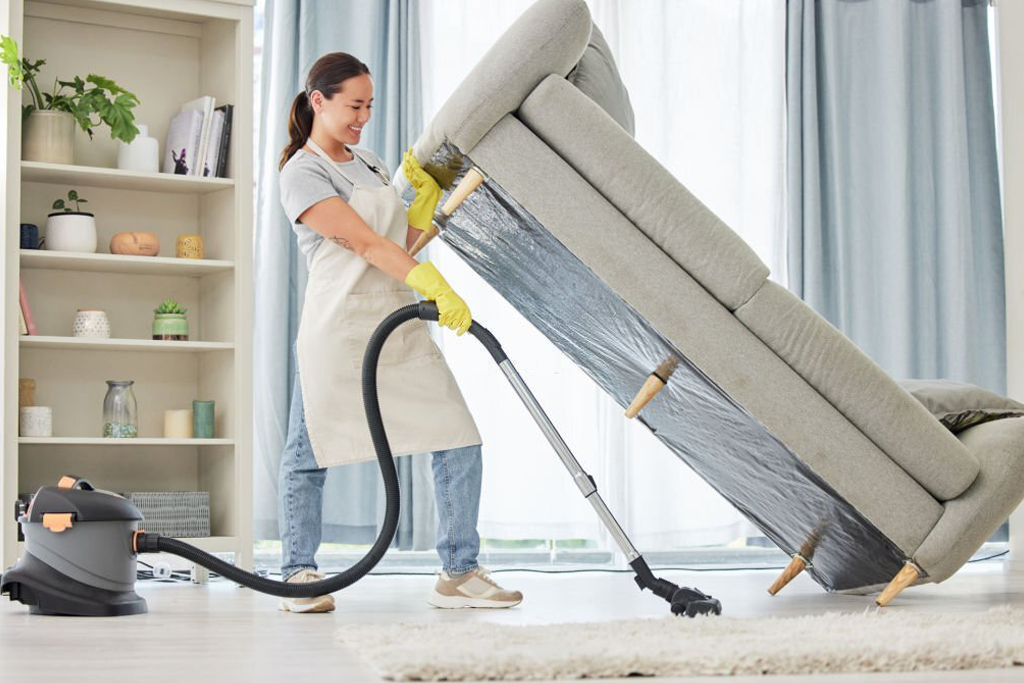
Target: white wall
1011	58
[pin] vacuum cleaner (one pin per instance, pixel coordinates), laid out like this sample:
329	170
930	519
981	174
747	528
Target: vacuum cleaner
81	543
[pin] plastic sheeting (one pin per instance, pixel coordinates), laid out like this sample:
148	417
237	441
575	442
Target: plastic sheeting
692	416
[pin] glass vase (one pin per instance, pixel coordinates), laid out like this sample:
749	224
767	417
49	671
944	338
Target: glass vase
120	411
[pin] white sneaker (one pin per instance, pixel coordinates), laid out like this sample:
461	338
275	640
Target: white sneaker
473	589
322	603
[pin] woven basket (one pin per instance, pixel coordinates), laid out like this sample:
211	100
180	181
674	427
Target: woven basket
181	514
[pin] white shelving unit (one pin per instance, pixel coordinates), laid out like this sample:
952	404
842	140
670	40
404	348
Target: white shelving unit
1011	80
166	52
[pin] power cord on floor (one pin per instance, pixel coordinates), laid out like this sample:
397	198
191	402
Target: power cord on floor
186	576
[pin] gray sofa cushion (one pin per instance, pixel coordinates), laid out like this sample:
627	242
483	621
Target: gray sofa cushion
549	37
861	390
958	405
598	78
711	337
647	194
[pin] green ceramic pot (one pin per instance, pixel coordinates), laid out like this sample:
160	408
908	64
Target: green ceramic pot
170	326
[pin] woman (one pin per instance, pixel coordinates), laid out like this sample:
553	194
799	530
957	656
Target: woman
350	224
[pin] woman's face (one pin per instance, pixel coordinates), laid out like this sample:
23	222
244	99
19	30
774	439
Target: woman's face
344	115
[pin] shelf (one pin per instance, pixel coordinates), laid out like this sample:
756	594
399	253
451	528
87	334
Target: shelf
117	179
116	263
92	344
100	441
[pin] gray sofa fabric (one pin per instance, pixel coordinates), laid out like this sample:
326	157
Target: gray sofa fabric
712	338
597	77
849	380
648	195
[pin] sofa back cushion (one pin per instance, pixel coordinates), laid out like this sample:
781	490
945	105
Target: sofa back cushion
886	413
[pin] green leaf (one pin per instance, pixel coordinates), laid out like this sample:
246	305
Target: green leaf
83	201
9	56
59	204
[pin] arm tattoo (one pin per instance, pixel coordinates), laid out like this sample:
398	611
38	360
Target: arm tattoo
341	242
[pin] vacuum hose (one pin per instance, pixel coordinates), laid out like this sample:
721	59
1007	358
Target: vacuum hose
426	310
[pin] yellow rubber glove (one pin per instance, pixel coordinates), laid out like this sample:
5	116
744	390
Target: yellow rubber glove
453	311
428	193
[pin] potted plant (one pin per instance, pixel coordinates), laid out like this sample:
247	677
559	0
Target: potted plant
71	230
169	322
49	121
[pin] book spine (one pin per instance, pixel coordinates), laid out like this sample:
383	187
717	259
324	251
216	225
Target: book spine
197	136
26	310
225	140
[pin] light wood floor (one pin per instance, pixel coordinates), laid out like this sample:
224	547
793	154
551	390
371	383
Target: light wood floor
219	632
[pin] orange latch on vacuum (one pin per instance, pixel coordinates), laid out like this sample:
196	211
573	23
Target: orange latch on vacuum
57	521
66	482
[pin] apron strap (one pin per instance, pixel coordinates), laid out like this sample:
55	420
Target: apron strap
357	154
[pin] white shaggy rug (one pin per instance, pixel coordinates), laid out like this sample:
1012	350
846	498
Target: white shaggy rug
877	640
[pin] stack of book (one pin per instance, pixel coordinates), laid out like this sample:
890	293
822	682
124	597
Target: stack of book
198	138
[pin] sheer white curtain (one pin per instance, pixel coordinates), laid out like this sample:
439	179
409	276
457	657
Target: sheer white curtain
706	82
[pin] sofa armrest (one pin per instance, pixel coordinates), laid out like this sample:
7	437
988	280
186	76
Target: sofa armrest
549	38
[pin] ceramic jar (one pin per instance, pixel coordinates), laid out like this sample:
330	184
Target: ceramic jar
71	231
91	322
36	421
141	154
49	136
189	246
170	327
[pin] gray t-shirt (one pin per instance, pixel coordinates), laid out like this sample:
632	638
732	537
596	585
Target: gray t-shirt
307	179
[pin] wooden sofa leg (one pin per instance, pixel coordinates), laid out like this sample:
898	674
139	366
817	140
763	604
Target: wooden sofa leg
908	575
656	381
469	182
796	565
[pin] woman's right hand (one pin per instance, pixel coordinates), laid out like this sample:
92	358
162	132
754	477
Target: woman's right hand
453	312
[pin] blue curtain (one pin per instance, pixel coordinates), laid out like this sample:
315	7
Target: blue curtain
384	34
895	223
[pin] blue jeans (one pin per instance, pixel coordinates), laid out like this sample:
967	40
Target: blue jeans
458	474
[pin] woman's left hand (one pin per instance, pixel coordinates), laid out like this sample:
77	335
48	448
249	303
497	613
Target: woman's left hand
428	193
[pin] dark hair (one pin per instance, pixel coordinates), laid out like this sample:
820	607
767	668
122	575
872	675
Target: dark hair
326	75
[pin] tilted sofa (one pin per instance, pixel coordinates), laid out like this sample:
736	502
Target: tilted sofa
637	281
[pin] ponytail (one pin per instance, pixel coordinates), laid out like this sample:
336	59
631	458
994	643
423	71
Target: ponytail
326	75
300	125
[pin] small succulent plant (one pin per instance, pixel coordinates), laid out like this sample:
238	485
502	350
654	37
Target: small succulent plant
168	306
60	205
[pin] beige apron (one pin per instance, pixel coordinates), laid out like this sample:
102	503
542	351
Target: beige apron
346	298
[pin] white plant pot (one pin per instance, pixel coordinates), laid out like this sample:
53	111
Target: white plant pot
49	136
71	231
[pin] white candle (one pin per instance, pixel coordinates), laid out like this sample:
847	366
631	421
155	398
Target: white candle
177	424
